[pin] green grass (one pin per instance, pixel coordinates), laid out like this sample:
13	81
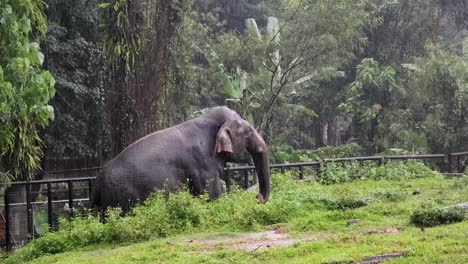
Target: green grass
443	244
156	232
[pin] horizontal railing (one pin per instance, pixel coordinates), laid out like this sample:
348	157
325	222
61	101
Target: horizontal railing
73	170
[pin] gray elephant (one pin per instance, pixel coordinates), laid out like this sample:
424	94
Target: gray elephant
193	153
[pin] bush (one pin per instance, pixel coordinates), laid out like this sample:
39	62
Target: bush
345	203
337	172
389	195
460	183
285	153
428	216
341	151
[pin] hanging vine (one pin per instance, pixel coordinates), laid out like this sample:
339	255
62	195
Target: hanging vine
136	36
121	37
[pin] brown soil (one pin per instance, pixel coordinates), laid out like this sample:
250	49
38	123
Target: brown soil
391	230
253	241
279	237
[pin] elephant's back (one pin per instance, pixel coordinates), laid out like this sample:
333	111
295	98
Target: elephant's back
168	140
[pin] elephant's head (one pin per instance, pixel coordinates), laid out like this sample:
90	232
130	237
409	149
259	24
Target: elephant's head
237	139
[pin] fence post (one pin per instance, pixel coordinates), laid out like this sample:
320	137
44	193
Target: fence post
449	162
459	164
324	167
282	169
7	217
246	179
301	172
49	205
380	161
228	180
70	197
29	216
90	190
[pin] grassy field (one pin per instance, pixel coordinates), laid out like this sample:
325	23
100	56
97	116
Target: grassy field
304	222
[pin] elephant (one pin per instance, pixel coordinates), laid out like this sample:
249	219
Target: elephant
193	153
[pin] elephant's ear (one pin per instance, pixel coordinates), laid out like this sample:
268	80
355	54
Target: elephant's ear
223	139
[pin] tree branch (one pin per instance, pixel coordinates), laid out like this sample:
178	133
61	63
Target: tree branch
282	83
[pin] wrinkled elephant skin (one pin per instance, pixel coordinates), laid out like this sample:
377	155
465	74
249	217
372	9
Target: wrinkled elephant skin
192	153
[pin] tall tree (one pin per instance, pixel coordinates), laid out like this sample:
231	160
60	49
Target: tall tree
25	88
74	57
440	100
137	37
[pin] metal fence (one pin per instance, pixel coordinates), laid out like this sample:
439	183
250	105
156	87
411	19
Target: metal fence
75	192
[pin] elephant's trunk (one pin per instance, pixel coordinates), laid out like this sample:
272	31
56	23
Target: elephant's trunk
262	166
259	151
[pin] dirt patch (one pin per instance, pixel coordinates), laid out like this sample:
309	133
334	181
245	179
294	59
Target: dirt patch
391	230
279	237
251	242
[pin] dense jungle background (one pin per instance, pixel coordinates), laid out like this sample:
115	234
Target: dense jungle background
81	80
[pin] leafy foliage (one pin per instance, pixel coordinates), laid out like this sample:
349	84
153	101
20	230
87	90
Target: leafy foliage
285	153
373	93
25	89
335	172
428	216
440	102
122	40
169	59
73	55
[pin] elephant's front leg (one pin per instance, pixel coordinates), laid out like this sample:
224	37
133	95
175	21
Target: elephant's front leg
214	187
196	183
205	181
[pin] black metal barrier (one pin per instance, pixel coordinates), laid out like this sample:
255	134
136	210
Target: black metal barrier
29	204
318	166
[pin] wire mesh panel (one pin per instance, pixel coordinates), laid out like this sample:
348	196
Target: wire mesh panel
35	207
16	217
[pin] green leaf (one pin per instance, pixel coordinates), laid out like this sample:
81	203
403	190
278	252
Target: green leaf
233	100
8	10
229	87
51	113
254	105
40	57
250	118
376	109
105	5
306	111
24	25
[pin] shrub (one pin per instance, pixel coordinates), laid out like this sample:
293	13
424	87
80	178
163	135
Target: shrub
460	183
286	153
345	203
389	195
428	216
184	212
337	172
341	151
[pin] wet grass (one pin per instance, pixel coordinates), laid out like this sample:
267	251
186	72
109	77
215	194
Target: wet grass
305	209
